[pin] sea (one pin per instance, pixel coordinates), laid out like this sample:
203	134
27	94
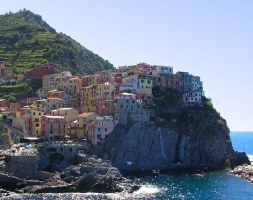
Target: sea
212	185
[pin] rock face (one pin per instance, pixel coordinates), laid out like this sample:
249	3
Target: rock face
145	148
188	144
91	175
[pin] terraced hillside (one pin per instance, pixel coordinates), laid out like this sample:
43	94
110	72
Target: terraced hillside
26	40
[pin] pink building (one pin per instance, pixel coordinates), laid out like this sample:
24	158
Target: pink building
70	114
106	107
99	130
4	103
53	127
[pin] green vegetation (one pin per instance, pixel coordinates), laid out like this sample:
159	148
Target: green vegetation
6	91
167	98
207	103
26	40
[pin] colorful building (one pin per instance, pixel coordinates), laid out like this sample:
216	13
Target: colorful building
88	98
6	73
70	114
40	71
103	77
106	108
192	98
164	69
36	122
53	103
4	103
14	106
83	120
53	127
99	130
73	85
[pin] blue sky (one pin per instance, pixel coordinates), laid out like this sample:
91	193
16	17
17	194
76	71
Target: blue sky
212	39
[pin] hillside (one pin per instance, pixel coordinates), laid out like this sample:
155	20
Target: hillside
27	40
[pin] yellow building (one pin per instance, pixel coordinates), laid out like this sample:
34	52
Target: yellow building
105	91
73	84
82	122
36	122
88	80
6	72
88	101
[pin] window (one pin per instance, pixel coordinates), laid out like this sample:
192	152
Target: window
98	129
121	106
70	149
105	129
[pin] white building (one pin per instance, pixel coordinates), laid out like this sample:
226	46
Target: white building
164	69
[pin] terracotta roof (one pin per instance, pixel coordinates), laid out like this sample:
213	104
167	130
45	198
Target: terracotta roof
54	117
55	98
86	114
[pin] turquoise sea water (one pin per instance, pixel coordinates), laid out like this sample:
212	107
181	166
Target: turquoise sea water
215	185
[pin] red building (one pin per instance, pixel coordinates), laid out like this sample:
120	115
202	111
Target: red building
40	71
4	103
118	78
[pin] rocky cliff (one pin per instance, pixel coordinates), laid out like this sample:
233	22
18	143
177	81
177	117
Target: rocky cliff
198	138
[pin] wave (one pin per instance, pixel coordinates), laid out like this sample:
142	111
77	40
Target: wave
145	192
148	189
250	156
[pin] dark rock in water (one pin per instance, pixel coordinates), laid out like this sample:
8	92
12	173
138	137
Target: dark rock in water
95	175
238	158
43	175
9	182
55	189
70	179
4	193
134	188
87	181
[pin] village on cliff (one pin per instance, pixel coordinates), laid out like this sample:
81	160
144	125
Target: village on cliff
70	111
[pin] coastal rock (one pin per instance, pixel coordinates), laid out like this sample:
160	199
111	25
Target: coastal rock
9	182
199	139
245	172
238	158
94	175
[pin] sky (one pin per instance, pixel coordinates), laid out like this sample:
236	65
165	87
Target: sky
212	39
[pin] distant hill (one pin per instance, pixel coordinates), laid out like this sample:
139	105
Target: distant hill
26	40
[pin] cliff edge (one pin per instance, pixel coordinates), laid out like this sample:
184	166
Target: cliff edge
196	138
